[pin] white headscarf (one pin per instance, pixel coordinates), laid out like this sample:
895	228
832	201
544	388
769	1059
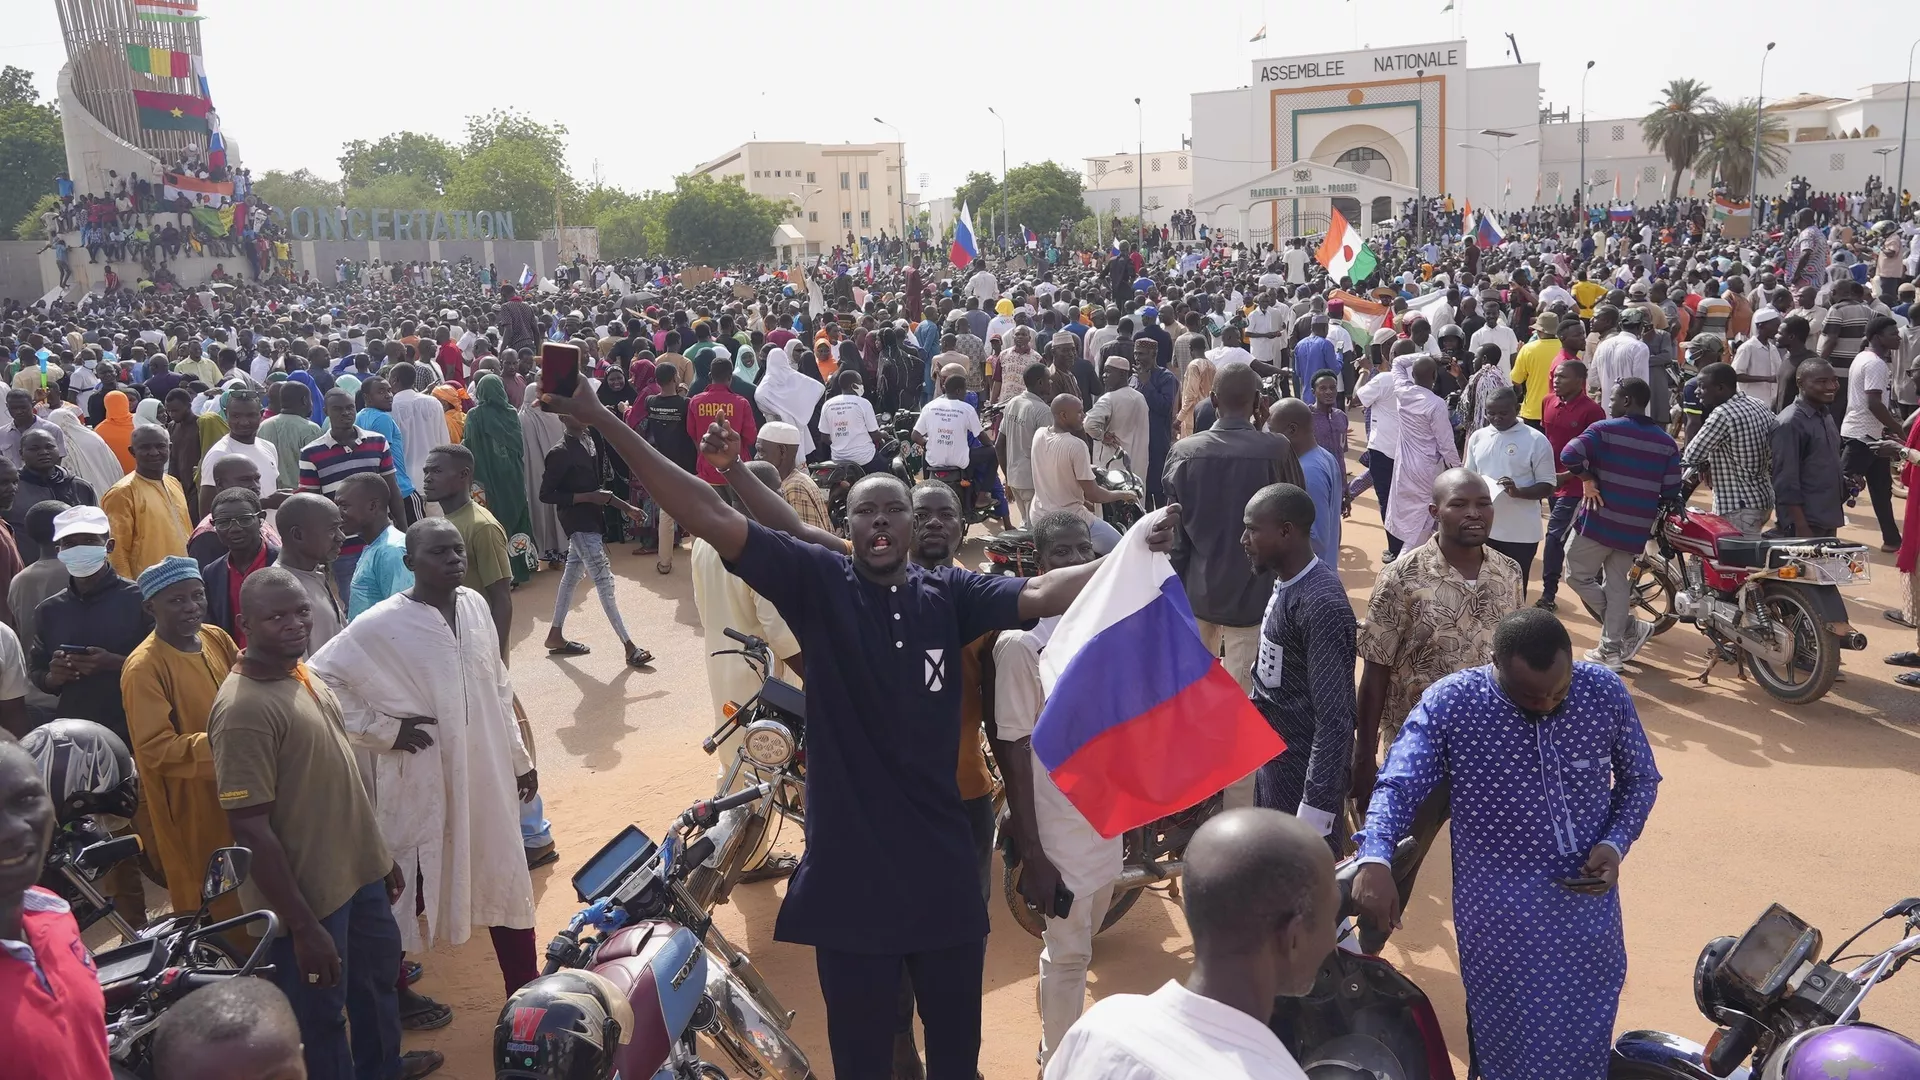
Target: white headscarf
785	394
88	455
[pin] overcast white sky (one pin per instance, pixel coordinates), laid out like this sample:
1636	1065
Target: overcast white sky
651	89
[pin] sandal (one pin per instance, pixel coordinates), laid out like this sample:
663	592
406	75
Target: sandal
411	971
1898	619
663	568
1905	659
421	1013
417	1063
639	657
571	648
1910	679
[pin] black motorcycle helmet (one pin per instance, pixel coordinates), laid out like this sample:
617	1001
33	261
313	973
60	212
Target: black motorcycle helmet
566	1026
86	768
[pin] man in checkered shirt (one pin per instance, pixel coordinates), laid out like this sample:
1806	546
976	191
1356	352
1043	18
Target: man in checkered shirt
1735	443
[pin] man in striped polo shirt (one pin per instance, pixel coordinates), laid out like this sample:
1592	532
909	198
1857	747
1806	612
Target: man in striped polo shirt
344	450
1627	467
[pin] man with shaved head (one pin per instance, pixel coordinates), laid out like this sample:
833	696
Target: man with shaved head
1807	489
1212	474
1433	612
1293	419
310	539
1063	474
239	1029
1261	903
1517	463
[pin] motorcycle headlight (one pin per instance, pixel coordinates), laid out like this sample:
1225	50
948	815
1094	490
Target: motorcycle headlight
1706	991
1116	477
768	743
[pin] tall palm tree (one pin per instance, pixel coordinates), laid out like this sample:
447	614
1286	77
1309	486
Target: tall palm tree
1727	150
1677	126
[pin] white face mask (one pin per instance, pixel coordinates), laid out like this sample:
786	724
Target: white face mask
84	561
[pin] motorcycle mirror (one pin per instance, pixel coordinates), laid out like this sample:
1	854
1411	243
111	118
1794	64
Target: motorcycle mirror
225	871
1909	906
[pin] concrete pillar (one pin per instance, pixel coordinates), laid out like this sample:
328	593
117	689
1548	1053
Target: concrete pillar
1246	237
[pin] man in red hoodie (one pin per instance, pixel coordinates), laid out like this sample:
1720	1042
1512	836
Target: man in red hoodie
56	1016
720	401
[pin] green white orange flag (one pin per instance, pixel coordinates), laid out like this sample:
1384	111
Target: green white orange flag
168	10
1342	253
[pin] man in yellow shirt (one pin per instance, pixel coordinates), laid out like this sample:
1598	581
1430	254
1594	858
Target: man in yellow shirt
1533	366
1586	293
147	508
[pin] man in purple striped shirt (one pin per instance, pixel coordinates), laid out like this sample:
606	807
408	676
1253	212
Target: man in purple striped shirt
1627	467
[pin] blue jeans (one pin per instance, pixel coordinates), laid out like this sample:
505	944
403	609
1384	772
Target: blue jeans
1559	521
368	941
534	830
587	557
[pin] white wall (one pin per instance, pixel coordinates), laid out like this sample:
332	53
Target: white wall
1504	98
92	150
1229	143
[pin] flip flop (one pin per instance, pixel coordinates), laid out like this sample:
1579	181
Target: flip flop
663	568
542	856
417	1063
1905	659
640	658
426	1015
411	971
1897	619
1909	679
571	648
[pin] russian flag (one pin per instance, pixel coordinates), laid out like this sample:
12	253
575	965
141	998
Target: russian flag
1620	213
1141	720
526	275
1487	234
1027	234
964	249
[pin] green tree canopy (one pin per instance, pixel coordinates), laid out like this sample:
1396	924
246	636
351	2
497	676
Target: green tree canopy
1727	150
1040	194
403	153
512	175
512	126
636	228
1677	126
402	191
298	188
716	222
32	151
975	191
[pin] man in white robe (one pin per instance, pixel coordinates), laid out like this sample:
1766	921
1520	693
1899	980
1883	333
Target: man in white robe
428	704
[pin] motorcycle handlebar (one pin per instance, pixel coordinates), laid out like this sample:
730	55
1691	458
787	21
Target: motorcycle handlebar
190	981
1733	1045
748	640
107	852
704	814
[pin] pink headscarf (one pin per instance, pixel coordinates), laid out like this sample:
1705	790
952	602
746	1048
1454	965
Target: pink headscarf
642	375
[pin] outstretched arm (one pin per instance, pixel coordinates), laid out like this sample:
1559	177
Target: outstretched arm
685	497
721	447
1051	592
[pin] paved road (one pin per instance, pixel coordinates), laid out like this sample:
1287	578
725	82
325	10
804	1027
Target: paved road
1811	807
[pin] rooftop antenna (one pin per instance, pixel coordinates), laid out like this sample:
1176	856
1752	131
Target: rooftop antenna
1515	42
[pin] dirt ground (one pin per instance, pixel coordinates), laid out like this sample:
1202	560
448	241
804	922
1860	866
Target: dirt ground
1810	807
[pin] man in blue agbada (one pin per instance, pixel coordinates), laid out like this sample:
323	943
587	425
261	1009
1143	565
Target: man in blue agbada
1552	782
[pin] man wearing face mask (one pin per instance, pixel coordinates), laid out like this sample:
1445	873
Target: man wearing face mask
1540	826
84	633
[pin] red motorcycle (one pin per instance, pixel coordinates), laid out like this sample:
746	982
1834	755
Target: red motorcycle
1770	606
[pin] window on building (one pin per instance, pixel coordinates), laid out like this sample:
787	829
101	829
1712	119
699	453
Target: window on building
1648	176
1836	162
863	181
866	219
813	215
1602	176
756	174
843	181
1619	133
846	219
1581	134
1156	164
810	178
1099	169
1551	180
1366	161
1183	163
1114	205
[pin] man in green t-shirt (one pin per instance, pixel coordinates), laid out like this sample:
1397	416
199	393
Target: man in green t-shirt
291	788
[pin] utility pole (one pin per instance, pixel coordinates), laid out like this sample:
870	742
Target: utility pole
1004	220
1140	172
1900	183
1580	193
1759	116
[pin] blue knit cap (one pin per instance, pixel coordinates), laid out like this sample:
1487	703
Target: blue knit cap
168	571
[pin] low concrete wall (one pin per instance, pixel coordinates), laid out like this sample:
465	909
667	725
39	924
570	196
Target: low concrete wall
27	273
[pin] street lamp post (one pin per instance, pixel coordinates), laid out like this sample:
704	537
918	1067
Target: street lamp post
1580	192
1499	149
1900	184
802	201
1759	118
1003	176
900	157
1140	171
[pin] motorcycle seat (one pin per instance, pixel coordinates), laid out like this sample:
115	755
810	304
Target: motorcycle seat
1753	551
1011	536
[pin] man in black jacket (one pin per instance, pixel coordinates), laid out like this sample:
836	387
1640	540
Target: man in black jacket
238	521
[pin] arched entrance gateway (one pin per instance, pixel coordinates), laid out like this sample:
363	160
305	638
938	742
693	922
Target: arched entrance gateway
1303	194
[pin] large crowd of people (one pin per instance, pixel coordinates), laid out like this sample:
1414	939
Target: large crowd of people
269	537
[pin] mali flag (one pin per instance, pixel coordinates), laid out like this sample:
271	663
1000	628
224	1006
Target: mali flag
171	112
166	63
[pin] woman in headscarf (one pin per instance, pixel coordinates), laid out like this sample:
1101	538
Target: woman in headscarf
117	429
314	396
88	455
785	394
351	384
540	432
643	377
145	414
1195	388
746	360
616	393
454	401
492	433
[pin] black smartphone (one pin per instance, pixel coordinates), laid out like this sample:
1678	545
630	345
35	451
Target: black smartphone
1062	900
559	369
72	648
1579	882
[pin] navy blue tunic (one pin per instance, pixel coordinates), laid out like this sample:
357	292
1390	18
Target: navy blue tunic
889	865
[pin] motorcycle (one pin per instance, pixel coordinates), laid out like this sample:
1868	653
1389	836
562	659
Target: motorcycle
80	854
147	975
659	946
1363	1018
1011	553
772	752
1153	854
1773	1002
1118	475
1770	606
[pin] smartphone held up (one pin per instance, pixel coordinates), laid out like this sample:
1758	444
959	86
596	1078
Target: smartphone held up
559	370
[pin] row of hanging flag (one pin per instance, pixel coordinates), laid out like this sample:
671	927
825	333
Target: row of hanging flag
160	111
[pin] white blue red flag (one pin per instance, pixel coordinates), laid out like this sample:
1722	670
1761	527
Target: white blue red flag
1487	234
964	249
1141	719
526	275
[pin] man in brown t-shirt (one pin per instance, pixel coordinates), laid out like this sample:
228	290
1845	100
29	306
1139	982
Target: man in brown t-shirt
292	792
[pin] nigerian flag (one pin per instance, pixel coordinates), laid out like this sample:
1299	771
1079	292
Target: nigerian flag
1342	253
